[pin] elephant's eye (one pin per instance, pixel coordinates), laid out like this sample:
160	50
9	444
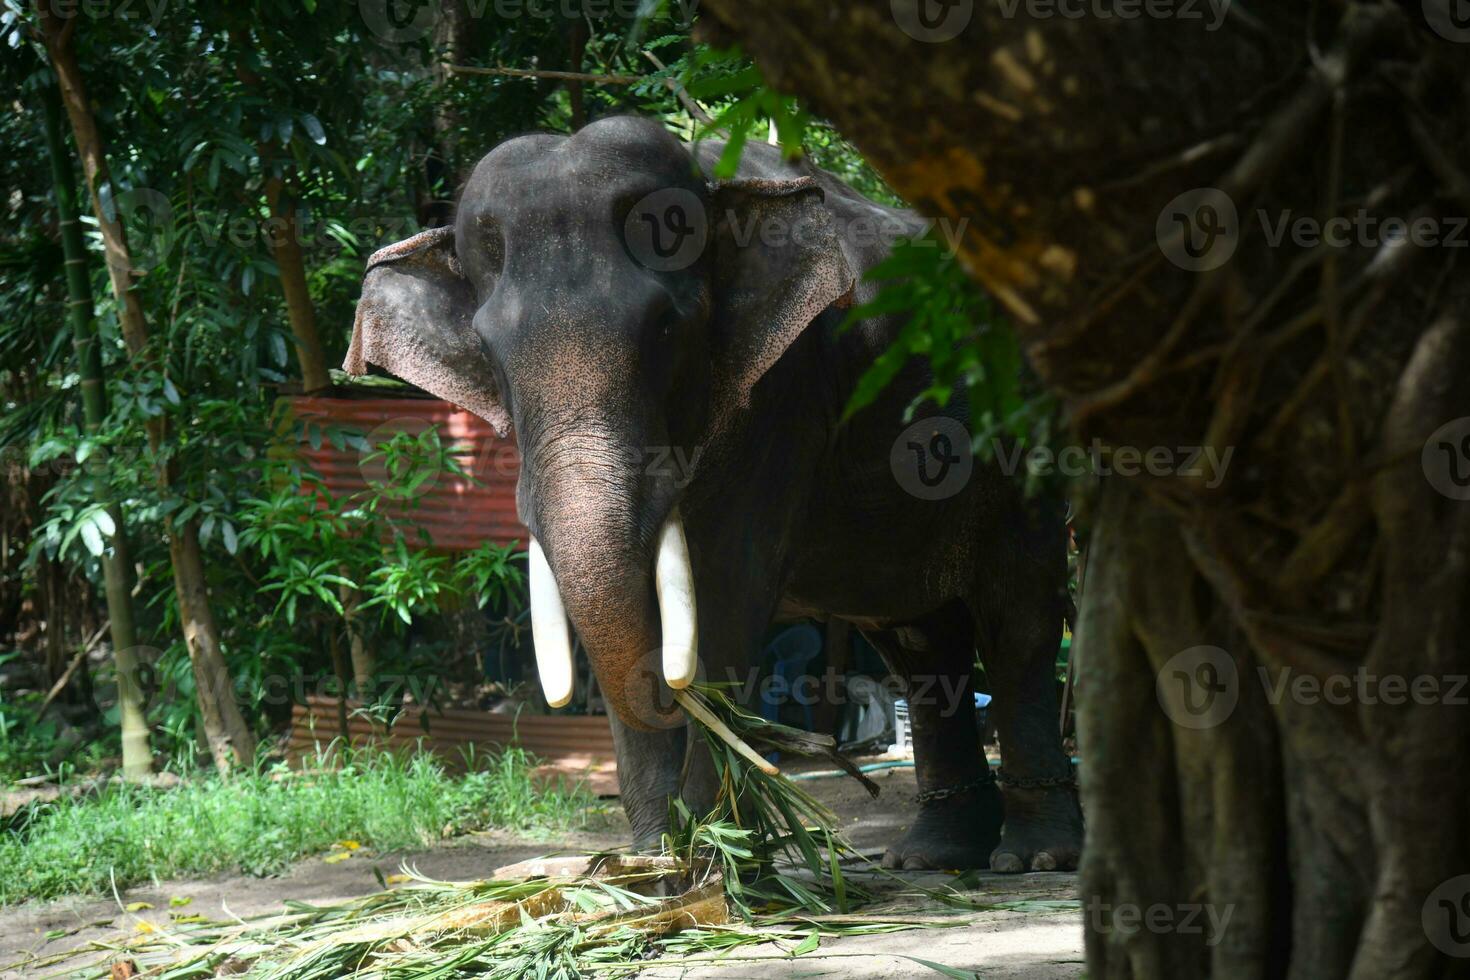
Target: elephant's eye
663	321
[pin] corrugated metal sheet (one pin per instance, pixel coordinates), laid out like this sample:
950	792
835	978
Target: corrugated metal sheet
570	745
457	514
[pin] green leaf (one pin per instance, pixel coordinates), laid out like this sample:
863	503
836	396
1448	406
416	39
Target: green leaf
730	159
91	537
940	968
313	127
745	81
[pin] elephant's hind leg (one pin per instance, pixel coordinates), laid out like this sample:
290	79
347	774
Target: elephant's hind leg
1018	623
959	818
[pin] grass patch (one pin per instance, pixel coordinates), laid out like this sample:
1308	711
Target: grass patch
261	822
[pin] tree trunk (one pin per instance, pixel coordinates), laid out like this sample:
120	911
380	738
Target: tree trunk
1331	554
221	718
117	569
285	241
453	33
230	739
577	46
364	662
285	245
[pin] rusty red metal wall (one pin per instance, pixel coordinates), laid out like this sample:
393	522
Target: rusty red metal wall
457	514
574	746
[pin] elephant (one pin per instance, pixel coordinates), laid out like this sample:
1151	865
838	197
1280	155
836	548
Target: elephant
612	303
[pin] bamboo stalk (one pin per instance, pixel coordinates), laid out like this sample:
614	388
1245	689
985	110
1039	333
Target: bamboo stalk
229	737
117	572
714	724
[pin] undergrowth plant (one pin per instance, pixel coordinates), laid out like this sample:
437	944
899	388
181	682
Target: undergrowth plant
261	822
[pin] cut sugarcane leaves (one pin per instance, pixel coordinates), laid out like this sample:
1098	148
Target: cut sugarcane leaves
765	867
693	703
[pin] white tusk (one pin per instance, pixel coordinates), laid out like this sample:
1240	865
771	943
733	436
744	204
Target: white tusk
549	630
674	582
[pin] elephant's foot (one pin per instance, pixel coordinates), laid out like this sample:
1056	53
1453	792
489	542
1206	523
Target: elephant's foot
1043	831
952	832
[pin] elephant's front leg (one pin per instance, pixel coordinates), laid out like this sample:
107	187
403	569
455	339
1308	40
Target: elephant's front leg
653	767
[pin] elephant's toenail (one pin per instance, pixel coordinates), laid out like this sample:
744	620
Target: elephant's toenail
1006	863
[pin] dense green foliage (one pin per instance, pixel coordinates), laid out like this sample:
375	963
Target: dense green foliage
347	111
198	110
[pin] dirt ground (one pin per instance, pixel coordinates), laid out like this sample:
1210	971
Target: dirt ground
1002	944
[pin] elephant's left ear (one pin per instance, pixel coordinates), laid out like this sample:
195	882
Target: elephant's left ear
416	319
779	263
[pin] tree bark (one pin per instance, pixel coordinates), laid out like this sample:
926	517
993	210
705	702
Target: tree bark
230	740
117	569
364	662
285	242
1325	826
453	35
577	47
218	710
284	239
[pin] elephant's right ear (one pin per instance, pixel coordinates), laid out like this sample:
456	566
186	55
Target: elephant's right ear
415	319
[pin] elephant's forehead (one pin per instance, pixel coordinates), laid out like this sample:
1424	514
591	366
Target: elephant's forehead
610	159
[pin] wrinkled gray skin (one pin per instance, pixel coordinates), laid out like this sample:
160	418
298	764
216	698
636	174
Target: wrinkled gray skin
541	312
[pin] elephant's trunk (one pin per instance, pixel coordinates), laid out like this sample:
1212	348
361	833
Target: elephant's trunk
628	592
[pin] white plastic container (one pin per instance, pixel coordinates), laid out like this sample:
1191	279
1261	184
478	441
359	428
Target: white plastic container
901	731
